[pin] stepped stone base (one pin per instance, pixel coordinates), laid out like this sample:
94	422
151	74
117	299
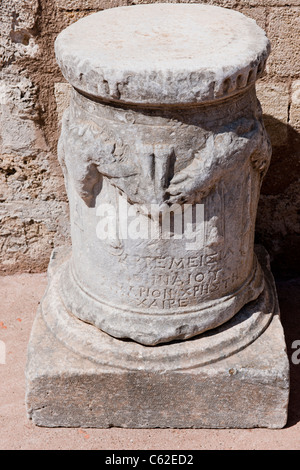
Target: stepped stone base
147	387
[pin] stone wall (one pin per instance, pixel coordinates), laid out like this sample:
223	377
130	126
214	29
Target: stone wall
33	95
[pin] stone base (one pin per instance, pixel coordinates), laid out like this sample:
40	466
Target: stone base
248	388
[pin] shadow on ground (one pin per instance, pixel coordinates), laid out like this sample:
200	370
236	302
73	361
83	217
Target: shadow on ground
289	300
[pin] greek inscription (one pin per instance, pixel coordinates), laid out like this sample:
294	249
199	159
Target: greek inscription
169	262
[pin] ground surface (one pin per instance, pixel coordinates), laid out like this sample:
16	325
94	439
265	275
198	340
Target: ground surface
19	297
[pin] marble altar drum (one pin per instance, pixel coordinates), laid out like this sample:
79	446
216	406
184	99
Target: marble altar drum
150	327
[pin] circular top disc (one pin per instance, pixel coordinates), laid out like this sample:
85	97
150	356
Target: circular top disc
162	53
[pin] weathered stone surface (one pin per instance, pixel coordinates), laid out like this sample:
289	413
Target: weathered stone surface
138	64
33	211
95	157
78	381
32	217
90	4
30	232
166	156
295	105
129	143
28	30
283	30
90	342
259	14
20	132
62	96
274	99
235	4
18	34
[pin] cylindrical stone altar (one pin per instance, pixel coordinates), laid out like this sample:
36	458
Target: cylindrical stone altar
163	150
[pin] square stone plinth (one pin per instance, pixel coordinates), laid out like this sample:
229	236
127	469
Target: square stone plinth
246	390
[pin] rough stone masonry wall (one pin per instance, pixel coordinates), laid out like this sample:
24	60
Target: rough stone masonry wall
33	94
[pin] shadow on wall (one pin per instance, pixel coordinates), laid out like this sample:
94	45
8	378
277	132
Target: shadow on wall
278	218
278	229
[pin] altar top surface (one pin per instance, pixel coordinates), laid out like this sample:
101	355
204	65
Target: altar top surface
162	53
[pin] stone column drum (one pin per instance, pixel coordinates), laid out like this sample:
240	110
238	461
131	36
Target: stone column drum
143	325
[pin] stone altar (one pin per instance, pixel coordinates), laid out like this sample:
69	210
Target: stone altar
162	314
